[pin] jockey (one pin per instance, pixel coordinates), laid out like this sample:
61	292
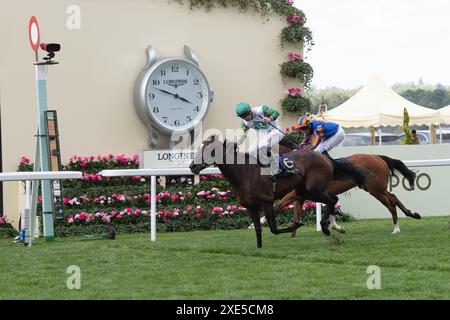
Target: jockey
324	135
264	119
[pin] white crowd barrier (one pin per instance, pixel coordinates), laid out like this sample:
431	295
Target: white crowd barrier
27	217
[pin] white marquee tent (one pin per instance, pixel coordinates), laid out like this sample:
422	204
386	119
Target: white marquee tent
378	105
445	114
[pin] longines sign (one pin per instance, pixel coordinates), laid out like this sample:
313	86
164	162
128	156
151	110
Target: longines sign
166	158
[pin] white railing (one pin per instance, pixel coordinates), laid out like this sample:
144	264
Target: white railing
28	218
186	171
153	173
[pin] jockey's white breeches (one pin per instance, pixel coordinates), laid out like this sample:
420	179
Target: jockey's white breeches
331	142
268	140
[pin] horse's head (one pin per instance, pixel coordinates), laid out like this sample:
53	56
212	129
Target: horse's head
211	152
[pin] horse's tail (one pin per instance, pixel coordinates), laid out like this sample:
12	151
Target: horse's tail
344	170
397	165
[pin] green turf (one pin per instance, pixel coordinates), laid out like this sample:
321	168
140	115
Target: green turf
226	265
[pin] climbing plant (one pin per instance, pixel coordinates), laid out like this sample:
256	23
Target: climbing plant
296	33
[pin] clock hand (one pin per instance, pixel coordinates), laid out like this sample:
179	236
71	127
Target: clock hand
181	98
174	94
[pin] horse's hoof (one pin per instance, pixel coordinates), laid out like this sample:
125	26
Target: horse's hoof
396	231
325	229
252	226
298	224
415	215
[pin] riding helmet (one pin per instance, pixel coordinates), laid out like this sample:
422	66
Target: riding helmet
242	108
303	122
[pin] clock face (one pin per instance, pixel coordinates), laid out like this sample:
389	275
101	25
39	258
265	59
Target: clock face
177	95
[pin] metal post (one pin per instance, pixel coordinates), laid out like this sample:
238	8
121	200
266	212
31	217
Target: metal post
47	208
318	216
153	209
380	135
440	134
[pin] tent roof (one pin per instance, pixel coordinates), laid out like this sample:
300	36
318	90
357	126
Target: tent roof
445	114
376	104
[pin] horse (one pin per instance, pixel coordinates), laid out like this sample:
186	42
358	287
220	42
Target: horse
379	167
254	190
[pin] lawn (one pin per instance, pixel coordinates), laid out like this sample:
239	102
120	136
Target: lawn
226	265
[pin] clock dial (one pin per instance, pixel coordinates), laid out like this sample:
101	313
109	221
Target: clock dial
177	95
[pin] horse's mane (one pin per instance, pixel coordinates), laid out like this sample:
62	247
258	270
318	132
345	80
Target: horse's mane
248	158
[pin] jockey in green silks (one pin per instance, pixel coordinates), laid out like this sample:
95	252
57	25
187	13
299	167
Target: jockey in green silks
264	119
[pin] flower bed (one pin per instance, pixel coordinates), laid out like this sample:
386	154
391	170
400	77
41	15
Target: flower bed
6	229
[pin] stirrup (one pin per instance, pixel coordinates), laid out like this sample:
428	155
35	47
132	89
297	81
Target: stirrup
274	183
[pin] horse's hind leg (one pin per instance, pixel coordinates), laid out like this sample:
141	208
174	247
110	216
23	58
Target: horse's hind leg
298	211
330	200
406	211
389	203
257	226
335	226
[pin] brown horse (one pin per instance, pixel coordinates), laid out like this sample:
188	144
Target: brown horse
254	190
379	167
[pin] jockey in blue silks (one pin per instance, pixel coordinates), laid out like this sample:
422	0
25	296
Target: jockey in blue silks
320	136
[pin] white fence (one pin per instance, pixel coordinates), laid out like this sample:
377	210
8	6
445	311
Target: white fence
28	216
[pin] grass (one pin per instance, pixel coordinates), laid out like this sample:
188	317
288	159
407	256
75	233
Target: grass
226	265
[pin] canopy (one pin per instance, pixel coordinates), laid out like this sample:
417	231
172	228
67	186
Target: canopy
445	114
378	105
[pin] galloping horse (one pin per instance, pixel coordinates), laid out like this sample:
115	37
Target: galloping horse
254	190
379	167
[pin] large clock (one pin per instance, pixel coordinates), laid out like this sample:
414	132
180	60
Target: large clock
172	95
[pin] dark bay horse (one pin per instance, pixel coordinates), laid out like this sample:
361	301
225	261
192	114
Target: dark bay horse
255	191
379	167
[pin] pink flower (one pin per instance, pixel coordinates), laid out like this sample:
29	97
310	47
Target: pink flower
294	56
82	216
82	164
24	160
70	219
198	215
289	2
294	19
293	92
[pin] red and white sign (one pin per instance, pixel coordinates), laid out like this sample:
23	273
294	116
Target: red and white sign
33	33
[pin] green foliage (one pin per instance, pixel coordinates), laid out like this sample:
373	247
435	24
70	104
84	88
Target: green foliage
261	7
296	136
434	99
299	70
296	34
298	105
7	230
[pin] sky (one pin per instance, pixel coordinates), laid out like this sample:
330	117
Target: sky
399	40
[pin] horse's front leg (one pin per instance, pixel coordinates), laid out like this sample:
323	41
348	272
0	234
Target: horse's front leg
270	216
